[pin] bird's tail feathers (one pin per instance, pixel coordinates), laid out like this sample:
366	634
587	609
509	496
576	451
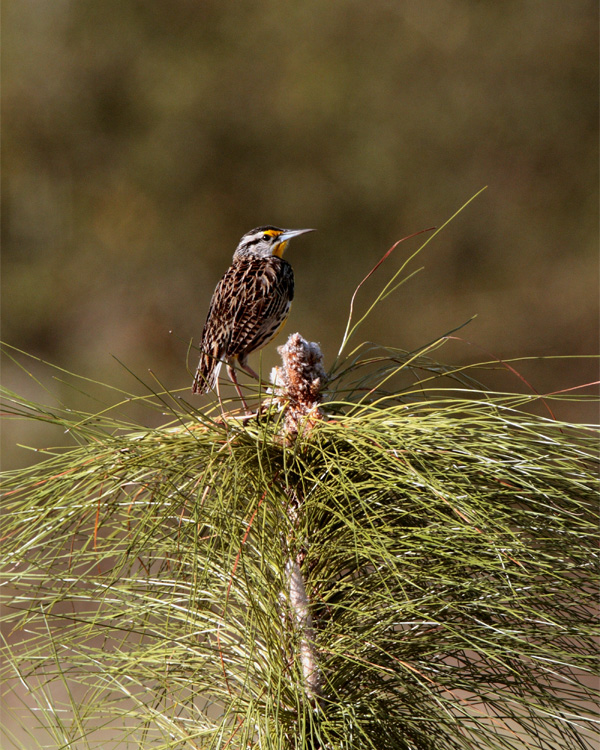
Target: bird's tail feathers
207	373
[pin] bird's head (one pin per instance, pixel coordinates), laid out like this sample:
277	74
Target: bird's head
266	241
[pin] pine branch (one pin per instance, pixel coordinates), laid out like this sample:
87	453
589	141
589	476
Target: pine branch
386	555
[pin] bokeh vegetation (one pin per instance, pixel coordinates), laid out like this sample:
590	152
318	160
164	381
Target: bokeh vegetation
140	140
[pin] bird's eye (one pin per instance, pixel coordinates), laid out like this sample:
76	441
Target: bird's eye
266	237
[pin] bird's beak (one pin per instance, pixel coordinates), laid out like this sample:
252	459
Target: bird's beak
285	237
289	233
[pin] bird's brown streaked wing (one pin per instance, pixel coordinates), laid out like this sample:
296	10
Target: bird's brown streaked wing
247	307
267	295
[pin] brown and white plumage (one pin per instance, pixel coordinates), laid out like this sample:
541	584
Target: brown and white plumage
249	305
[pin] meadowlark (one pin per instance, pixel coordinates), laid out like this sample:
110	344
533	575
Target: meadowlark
248	307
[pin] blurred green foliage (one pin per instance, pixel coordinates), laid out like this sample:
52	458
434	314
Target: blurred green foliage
141	140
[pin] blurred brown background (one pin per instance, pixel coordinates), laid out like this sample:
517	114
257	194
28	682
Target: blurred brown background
142	139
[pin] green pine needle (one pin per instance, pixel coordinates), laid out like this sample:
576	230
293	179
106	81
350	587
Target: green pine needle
448	550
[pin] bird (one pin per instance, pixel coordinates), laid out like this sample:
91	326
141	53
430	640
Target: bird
249	306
